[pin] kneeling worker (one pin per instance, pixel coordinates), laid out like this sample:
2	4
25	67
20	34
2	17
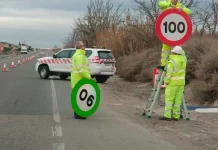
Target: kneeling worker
175	81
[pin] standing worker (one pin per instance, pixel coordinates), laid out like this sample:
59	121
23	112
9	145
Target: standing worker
80	68
163	5
175	81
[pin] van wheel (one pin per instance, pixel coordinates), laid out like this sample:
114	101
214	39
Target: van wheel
63	76
101	79
44	72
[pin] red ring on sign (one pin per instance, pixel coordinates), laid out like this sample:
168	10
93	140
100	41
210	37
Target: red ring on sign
158	27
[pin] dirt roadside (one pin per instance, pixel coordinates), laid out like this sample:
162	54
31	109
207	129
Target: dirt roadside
129	99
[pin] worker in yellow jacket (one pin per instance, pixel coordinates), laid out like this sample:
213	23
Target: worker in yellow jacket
175	81
163	5
80	68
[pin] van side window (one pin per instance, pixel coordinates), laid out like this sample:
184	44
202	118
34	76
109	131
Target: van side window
63	54
88	53
105	55
72	53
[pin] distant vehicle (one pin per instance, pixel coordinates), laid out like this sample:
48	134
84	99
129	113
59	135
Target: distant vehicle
42	51
24	50
101	64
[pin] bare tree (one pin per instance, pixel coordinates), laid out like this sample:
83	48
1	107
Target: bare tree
101	15
214	6
188	3
152	11
206	18
67	42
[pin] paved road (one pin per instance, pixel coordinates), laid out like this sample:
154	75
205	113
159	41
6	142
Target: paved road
36	114
14	58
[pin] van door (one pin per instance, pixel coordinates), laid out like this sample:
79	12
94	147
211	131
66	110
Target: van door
68	66
61	61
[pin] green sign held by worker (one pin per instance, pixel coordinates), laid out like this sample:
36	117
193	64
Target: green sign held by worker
85	97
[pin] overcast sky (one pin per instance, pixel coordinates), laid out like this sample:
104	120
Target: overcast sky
40	23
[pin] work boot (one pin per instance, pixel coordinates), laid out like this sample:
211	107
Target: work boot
175	119
165	118
78	117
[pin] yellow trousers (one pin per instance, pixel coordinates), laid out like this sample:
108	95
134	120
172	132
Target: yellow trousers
165	53
173	101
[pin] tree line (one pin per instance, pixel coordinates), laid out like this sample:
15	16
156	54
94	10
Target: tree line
106	23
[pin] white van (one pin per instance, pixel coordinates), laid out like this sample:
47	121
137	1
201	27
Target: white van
101	64
23	50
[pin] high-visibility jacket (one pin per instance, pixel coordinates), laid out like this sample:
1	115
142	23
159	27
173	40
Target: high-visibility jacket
80	67
176	70
165	4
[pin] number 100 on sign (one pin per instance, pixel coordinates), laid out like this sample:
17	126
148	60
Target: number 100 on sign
174	27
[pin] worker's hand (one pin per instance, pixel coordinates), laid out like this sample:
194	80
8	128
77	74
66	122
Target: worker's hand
173	6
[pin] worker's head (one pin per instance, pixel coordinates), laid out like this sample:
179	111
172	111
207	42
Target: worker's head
177	50
80	45
174	2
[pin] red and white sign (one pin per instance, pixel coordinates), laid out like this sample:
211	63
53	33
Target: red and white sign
173	27
155	75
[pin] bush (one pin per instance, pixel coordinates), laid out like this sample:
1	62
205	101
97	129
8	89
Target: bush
136	58
128	40
195	48
138	66
205	85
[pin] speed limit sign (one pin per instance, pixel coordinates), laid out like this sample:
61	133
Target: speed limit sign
173	27
85	97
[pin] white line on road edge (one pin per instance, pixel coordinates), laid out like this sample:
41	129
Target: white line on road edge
58	146
56	115
56	130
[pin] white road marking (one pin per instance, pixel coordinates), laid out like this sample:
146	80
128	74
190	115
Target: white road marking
57	131
58	146
207	110
55	110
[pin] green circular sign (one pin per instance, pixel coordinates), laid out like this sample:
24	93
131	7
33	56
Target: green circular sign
85	97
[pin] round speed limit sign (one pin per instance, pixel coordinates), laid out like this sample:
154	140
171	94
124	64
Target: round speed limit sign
173	27
85	97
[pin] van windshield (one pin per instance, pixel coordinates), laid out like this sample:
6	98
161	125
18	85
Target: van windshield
105	55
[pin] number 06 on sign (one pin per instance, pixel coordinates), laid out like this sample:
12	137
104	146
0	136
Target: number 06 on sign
173	27
85	97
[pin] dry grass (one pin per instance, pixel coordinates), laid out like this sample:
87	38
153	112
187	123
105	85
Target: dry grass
129	40
136	58
138	66
204	67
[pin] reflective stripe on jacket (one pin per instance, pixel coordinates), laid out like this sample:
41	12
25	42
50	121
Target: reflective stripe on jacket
165	4
176	70
80	67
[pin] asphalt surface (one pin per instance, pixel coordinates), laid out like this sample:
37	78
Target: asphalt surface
14	58
36	114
